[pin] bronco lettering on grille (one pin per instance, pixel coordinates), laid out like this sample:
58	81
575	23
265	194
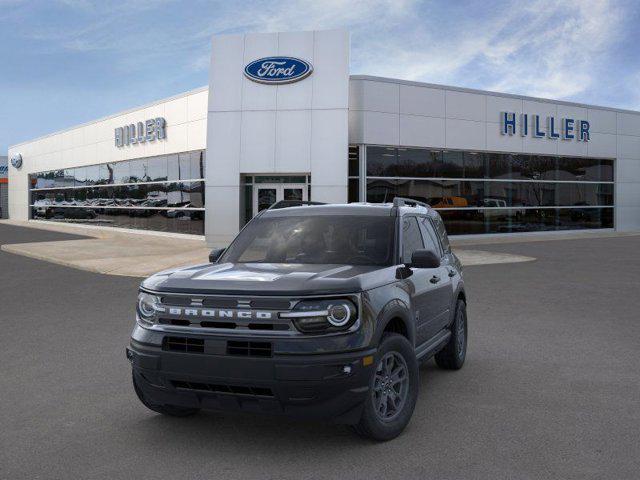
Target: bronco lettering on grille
203	312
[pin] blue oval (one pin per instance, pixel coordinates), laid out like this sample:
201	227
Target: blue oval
278	70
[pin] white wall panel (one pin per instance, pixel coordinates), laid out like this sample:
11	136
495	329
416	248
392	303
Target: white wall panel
227	73
422	101
175	111
627	170
419	131
197	106
628	219
465	134
602	121
628	146
356	126
602	145
381	97
223	206
356	95
381	128
223	161
329	150
331	69
293	141
628	194
196	135
465	106
179	138
257	147
628	124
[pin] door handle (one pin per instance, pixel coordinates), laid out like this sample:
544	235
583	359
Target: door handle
434	279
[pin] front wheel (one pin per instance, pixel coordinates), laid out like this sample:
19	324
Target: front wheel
452	356
393	390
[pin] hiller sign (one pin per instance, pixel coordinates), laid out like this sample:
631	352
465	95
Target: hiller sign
525	124
147	131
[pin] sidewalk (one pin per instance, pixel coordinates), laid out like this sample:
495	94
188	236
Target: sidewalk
112	251
137	253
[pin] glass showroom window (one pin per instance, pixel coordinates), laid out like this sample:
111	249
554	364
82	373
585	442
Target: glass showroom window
478	192
163	193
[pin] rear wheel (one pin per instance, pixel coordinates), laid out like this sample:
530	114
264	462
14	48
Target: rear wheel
393	390
171	410
452	356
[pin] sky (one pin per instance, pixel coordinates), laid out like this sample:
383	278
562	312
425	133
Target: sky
66	62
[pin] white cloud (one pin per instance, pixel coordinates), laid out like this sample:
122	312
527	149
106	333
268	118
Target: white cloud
540	48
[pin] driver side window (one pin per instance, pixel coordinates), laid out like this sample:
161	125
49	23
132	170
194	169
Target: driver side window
411	238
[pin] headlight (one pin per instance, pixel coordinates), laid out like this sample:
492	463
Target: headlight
323	316
148	306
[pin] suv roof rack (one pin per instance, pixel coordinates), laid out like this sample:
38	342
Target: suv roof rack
409	202
293	203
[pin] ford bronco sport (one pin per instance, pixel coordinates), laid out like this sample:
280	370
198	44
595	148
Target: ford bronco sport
316	311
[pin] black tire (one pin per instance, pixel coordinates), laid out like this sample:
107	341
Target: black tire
372	424
452	356
170	410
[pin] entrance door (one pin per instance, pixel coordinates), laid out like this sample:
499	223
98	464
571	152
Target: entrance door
266	194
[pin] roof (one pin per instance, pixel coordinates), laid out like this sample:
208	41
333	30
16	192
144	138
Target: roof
355	209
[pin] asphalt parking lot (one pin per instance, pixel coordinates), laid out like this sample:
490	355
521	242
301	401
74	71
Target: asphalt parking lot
551	388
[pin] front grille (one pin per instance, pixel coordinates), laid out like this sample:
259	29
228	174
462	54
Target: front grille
270	303
219	388
183	344
249	349
226	302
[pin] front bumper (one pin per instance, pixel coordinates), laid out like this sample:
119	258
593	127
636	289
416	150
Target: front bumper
318	386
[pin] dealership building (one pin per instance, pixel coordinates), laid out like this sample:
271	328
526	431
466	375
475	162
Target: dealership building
283	119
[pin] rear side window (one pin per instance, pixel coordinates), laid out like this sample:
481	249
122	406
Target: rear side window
442	233
411	238
430	238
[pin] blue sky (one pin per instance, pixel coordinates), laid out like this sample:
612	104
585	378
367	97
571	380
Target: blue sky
70	61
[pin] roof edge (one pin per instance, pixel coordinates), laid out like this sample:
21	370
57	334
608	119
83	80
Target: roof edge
489	92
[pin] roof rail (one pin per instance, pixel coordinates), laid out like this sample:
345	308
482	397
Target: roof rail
293	203
408	202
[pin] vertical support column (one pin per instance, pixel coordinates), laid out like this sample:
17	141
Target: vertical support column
362	187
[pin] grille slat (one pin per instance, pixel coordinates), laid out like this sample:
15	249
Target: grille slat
226	389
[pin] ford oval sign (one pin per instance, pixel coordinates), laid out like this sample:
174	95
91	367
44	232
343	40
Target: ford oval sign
278	70
16	160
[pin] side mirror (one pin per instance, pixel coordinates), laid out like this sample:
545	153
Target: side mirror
424	259
215	254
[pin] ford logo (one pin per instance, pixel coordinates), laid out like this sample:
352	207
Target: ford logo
16	160
278	70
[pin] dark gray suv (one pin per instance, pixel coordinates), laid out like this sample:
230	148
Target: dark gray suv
315	311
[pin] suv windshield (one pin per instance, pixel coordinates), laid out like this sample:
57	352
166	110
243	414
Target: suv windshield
346	240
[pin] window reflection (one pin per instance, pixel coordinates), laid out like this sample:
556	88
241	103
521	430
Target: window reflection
478	192
131	194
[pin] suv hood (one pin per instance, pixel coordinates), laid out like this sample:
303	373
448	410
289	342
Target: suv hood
270	279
